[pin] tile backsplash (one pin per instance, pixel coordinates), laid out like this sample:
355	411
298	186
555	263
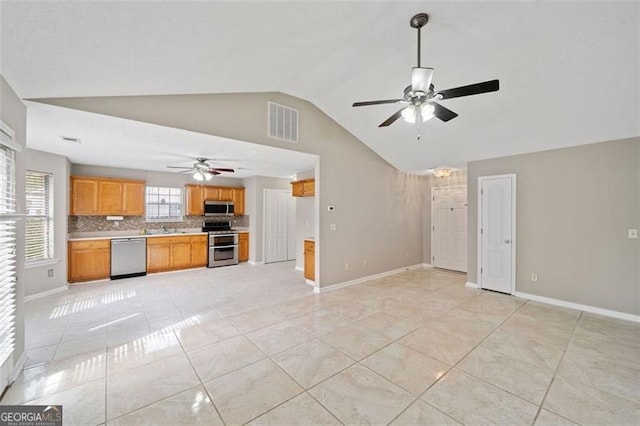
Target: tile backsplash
100	223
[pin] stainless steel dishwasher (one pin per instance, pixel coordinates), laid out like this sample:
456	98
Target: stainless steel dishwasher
128	257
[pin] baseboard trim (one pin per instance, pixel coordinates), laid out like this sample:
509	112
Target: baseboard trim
18	366
299	268
309	282
365	279
427	265
471	285
253	263
45	293
580	307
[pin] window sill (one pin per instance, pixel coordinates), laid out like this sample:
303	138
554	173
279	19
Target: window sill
39	263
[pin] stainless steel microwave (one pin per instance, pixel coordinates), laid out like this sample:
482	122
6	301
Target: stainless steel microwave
218	208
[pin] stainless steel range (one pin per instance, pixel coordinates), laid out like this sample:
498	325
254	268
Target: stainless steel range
223	243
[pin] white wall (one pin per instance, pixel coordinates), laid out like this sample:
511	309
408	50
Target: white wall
14	114
151	177
36	279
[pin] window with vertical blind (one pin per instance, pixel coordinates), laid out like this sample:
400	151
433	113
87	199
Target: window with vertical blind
39	220
8	212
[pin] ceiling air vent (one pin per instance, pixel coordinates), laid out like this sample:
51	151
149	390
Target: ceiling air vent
70	139
283	122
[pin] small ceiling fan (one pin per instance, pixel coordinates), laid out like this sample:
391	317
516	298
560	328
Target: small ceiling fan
202	170
420	96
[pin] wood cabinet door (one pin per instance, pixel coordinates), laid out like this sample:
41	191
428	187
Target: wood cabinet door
243	247
308	188
238	201
199	253
195	201
181	255
133	198
225	194
297	189
212	193
89	260
109	197
84	196
158	257
310	260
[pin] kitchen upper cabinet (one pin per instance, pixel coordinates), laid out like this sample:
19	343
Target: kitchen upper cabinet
303	188
109	197
133	198
195	200
89	260
243	246
106	196
310	260
84	196
238	201
198	194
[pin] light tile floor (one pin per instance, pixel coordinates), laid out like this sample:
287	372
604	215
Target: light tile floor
248	344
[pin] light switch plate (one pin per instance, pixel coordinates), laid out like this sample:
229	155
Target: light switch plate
332	227
633	233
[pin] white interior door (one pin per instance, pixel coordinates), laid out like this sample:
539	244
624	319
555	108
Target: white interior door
449	228
279	213
291	231
497	233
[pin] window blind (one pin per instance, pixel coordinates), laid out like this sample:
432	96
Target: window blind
7	252
39	221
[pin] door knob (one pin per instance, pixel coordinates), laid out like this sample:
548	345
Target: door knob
507	241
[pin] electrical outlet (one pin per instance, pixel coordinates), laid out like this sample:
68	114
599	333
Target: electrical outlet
332	227
364	263
50	273
633	233
534	278
346	266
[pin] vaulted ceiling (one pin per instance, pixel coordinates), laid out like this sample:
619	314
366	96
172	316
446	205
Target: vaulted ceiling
569	71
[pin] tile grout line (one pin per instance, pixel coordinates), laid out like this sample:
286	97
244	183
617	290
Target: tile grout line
419	397
555	372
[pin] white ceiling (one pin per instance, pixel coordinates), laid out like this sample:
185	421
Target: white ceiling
569	71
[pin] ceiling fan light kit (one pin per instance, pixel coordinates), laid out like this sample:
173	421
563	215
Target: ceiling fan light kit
201	170
420	96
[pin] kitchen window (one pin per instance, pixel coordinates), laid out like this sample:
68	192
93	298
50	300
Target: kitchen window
164	204
39	220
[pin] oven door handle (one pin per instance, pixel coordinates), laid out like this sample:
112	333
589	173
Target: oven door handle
227	246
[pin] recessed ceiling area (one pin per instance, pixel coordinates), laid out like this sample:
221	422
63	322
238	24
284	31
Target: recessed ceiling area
115	142
568	71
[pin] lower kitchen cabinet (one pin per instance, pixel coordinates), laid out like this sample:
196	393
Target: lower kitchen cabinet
243	246
173	253
89	260
199	250
310	260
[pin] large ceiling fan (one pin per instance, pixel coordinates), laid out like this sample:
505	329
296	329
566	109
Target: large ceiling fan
202	170
420	96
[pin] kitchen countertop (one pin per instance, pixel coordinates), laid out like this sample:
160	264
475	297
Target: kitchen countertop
110	235
310	239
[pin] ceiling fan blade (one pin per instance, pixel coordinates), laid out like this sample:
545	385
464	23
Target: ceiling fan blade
179	167
386	101
186	171
421	79
391	119
218	169
444	114
472	89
